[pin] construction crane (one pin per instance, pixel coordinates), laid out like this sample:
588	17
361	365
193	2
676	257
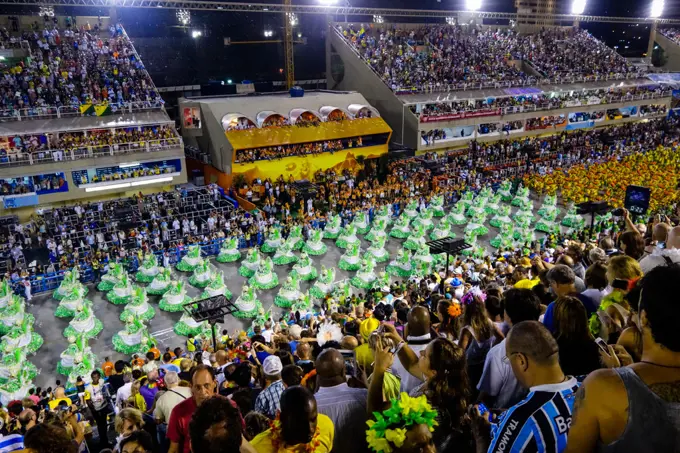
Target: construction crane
288	43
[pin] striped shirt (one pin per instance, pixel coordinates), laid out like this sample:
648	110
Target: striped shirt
13	442
539	423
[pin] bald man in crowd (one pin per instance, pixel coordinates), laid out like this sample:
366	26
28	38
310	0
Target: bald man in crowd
344	405
418	328
668	254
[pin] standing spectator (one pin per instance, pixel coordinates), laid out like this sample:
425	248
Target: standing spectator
562	282
216	427
300	425
166	403
541	421
203	387
498	386
267	401
418	338
344	405
634	407
98	403
579	355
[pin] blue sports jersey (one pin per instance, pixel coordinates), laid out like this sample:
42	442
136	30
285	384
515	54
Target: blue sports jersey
539	423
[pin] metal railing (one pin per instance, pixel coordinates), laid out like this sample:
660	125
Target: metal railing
69	111
89	152
608	99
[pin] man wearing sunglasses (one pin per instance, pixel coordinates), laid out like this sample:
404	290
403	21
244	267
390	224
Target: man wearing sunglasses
540	422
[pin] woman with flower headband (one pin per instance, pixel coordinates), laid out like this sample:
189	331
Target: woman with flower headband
614	312
479	333
442	367
298	427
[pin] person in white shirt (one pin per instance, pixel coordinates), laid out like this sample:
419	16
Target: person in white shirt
124	392
418	322
166	403
344	405
661	256
498	386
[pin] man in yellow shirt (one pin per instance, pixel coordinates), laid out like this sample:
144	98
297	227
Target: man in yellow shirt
297	426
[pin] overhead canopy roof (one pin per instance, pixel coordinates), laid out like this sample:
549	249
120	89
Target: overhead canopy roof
261	107
11	128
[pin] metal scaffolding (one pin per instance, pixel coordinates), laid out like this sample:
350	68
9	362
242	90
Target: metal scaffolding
387	13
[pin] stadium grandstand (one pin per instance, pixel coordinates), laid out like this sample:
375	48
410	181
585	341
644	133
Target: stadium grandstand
354	269
79	114
503	83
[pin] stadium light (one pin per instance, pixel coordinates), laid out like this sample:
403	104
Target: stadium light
328	2
196	34
293	19
299	35
46	11
473	5
183	16
378	19
451	21
268	33
657	7
229	81
578	7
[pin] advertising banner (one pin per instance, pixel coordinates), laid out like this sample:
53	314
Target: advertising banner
459	116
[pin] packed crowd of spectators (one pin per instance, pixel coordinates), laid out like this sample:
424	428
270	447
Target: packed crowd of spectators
74	66
435	57
585	116
671	33
91	234
300	149
541	101
57	147
653	109
448	362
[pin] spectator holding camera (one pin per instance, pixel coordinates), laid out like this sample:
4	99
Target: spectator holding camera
635	406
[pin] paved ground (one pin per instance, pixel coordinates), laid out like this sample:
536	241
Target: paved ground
51	328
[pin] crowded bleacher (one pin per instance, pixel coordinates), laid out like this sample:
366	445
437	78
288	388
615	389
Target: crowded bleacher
450	57
75	66
36	148
301	149
543	101
671	33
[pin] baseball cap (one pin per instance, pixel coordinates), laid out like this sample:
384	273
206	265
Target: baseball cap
272	365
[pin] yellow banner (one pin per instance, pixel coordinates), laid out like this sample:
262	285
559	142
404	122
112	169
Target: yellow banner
256	138
86	109
304	167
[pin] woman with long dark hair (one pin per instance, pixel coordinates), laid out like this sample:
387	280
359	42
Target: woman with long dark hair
579	354
442	367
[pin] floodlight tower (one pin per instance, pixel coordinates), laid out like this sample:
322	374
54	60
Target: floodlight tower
577	9
288	44
655	11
